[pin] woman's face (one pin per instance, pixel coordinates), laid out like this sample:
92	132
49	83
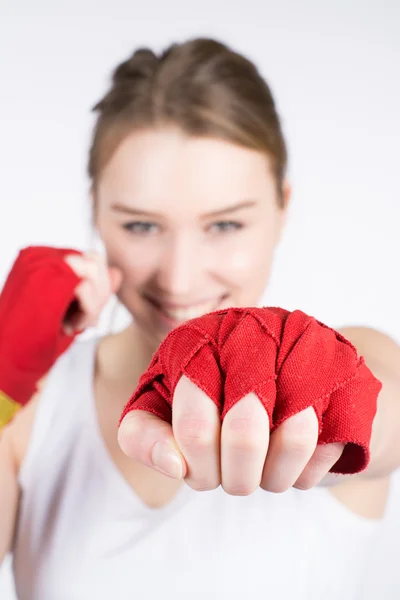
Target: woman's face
191	222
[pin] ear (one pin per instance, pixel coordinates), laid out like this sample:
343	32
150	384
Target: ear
287	195
283	209
93	206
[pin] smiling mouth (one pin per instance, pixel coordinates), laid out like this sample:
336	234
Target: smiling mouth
181	314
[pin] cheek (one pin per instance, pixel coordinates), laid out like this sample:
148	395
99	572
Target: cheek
248	258
136	260
240	261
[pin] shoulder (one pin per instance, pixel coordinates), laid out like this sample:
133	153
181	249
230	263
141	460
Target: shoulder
381	348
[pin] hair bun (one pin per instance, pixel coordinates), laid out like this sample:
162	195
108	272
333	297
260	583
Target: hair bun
141	64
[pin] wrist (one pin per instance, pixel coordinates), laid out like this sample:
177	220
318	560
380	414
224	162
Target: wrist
8	408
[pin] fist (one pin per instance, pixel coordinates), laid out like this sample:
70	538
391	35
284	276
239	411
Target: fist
98	283
252	397
240	454
50	295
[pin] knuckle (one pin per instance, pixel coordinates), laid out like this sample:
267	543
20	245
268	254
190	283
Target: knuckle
299	434
328	453
100	289
92	254
244	434
94	258
297	445
90	304
83	289
76	264
195	431
245	444
89	267
93	271
242	425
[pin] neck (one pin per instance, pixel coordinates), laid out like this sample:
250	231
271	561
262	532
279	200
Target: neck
121	360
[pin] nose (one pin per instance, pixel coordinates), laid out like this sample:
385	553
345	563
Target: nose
181	267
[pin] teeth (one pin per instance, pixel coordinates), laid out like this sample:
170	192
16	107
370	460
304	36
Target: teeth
185	314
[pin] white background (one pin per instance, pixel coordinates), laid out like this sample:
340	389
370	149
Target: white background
335	71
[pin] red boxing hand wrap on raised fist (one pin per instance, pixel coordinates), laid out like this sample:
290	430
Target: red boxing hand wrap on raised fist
289	360
33	304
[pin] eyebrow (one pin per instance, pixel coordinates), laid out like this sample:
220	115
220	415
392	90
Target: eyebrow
216	213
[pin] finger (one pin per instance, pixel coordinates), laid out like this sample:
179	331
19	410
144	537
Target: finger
100	270
244	445
92	293
89	306
81	312
83	266
107	279
323	459
149	440
196	425
291	447
99	274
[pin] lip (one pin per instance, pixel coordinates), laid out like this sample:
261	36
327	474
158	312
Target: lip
167	323
175	306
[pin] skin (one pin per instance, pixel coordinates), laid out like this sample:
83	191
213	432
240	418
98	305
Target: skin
190	250
179	240
213	227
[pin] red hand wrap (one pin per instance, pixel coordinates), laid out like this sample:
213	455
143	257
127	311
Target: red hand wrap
290	360
33	303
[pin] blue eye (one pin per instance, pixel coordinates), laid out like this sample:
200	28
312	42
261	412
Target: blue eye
140	227
226	226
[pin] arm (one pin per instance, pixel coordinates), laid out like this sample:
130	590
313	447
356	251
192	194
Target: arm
366	493
9	493
382	356
61	277
14	439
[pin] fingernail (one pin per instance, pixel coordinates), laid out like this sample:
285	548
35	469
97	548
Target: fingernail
166	459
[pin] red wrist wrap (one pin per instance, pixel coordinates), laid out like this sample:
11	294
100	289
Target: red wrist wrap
290	360
33	303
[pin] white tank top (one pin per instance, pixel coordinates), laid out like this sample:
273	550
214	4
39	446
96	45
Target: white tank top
83	534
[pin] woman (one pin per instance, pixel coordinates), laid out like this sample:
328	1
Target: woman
189	189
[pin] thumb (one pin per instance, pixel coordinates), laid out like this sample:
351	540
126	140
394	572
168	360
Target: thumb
149	440
115	275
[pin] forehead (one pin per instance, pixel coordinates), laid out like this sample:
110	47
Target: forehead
166	165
